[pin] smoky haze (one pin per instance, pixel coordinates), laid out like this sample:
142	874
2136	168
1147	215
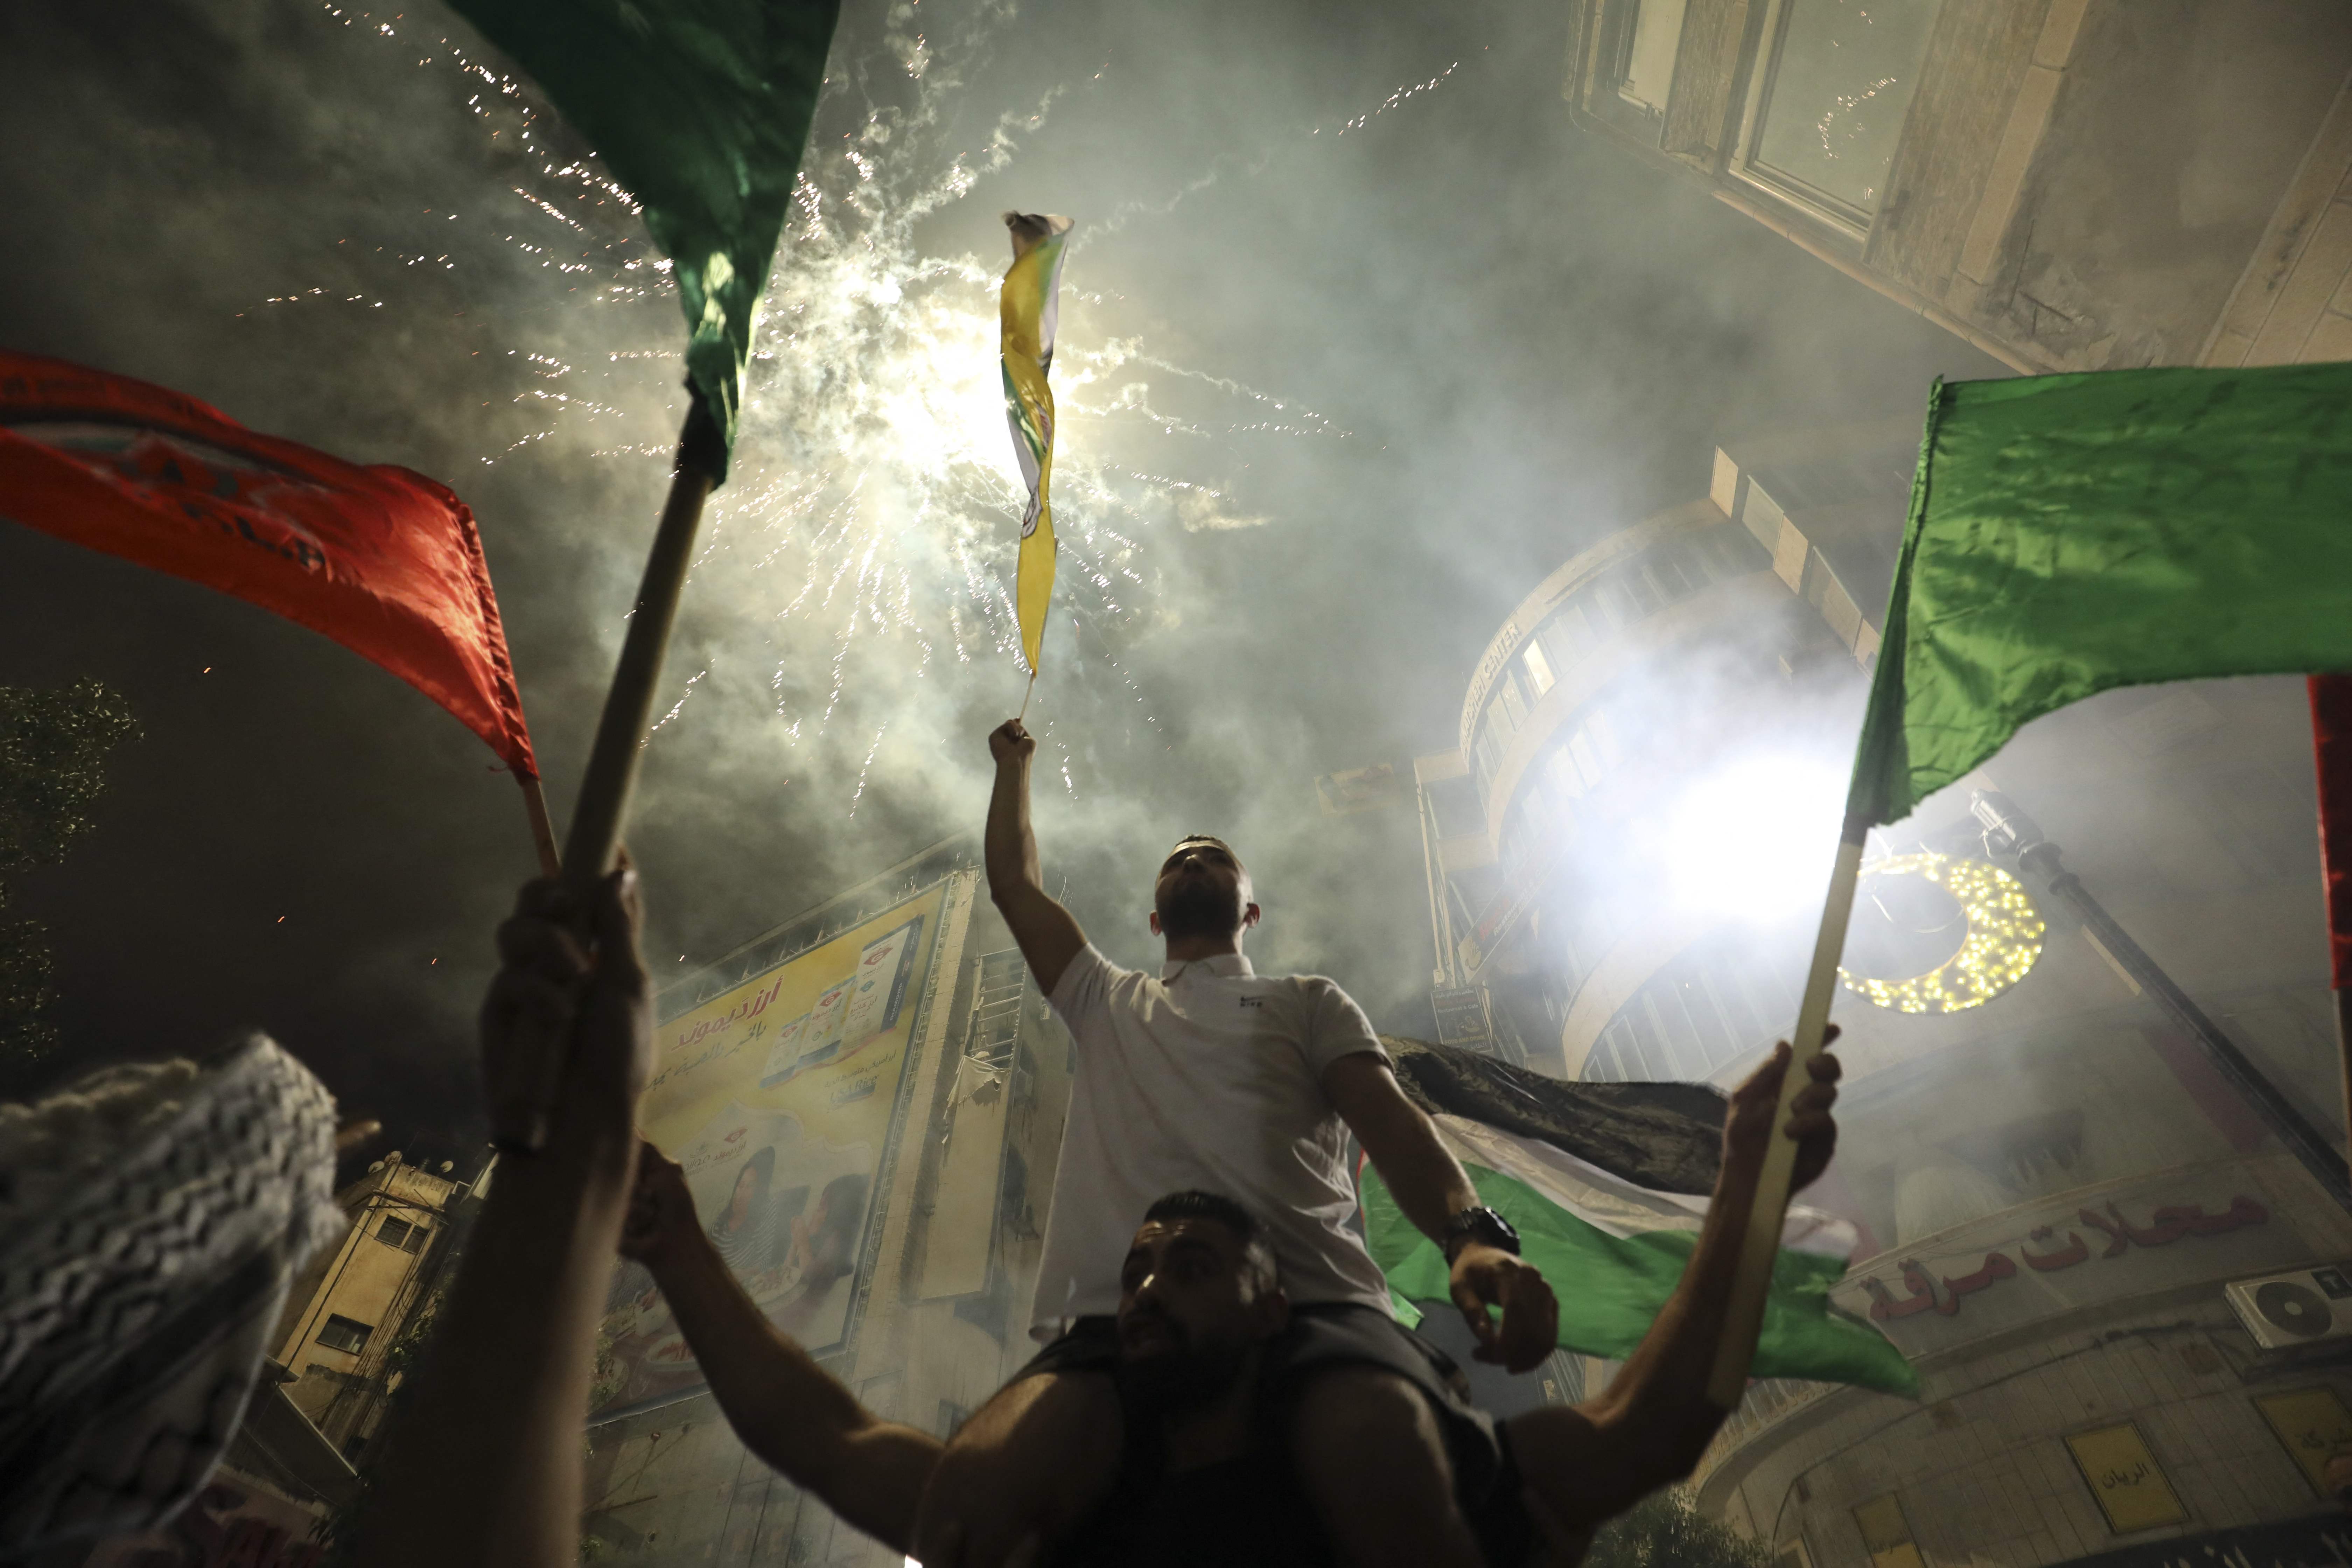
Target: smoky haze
1344	370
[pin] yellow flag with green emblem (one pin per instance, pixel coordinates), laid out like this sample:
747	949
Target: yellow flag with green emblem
1028	305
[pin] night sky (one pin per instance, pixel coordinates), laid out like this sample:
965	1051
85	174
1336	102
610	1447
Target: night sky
1492	339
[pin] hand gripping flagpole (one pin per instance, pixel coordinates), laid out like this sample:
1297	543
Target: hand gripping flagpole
1751	1281
522	1101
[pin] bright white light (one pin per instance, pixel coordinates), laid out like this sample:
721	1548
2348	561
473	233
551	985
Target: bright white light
1755	841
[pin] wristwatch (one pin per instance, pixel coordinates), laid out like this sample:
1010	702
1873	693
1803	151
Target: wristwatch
1479	1224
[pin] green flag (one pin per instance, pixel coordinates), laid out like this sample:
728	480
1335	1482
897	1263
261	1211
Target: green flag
2070	533
701	109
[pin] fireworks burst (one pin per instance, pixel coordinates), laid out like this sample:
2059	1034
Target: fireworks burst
865	538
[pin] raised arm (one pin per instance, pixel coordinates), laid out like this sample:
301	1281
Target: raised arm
786	1408
1587	1462
483	1470
1049	937
1431	1187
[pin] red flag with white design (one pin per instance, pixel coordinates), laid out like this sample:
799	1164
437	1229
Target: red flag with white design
380	558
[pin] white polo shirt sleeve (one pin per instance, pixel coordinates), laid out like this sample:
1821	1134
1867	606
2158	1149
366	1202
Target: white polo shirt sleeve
1336	1027
1082	996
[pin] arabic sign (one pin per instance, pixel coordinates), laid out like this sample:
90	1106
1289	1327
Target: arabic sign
2317	1540
2315	1427
777	1098
2099	1244
2131	1487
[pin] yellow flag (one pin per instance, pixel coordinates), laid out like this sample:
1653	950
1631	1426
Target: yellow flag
1028	305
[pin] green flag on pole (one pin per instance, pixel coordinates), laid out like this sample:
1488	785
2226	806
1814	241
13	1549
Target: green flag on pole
701	109
2070	533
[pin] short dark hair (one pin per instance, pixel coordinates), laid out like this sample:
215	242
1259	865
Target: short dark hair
1208	838
1257	1247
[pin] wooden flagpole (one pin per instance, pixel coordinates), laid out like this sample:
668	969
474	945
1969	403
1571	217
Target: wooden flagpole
543	828
522	1101
1743	1316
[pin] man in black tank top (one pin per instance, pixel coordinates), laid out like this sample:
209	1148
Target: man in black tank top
1207	1366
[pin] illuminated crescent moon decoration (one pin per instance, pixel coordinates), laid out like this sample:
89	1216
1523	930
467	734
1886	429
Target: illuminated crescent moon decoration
2004	937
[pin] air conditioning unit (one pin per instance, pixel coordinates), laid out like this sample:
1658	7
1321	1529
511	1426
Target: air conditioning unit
2283	1311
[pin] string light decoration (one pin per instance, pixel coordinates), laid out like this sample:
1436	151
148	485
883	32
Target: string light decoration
2004	937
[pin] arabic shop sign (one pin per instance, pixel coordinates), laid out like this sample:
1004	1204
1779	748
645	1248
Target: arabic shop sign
2320	1540
2080	1250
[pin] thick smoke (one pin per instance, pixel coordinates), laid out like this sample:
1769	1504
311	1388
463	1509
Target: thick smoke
1361	338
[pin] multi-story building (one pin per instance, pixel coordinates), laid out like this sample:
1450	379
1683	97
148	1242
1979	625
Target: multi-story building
868	1101
346	1316
2057	1192
2068	184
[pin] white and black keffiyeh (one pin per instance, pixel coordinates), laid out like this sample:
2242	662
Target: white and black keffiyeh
152	1217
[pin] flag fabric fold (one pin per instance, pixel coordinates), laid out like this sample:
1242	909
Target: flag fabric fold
2072	534
1607	1184
701	110
1029	305
383	561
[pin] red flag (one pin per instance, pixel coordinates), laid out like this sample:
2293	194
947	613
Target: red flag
382	560
2331	736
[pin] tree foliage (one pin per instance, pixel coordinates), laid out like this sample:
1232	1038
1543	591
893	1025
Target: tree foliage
53	747
1664	1530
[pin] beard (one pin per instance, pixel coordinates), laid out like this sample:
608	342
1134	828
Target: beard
1181	1379
1196	906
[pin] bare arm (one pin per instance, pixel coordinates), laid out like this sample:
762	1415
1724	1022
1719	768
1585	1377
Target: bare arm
484	1469
1650	1426
1430	1186
1048	937
786	1408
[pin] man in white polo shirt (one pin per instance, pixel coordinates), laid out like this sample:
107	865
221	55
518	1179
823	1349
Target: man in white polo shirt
1213	1078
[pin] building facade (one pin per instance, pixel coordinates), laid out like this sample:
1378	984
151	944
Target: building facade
340	1336
2068	184
926	1315
2056	1192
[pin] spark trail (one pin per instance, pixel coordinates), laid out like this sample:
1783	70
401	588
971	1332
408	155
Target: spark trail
855	569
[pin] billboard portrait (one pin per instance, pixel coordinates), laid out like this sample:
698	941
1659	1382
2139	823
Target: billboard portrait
777	1098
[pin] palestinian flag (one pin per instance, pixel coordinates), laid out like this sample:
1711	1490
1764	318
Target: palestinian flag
1607	1184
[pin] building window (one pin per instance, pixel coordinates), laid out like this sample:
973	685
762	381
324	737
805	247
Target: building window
402	1234
1826	113
1511	701
1570	635
343	1334
1646	51
2131	1487
1886	1534
1539	674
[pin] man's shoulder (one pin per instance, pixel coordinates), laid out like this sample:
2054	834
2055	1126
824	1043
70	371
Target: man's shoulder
1092	965
1308	986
